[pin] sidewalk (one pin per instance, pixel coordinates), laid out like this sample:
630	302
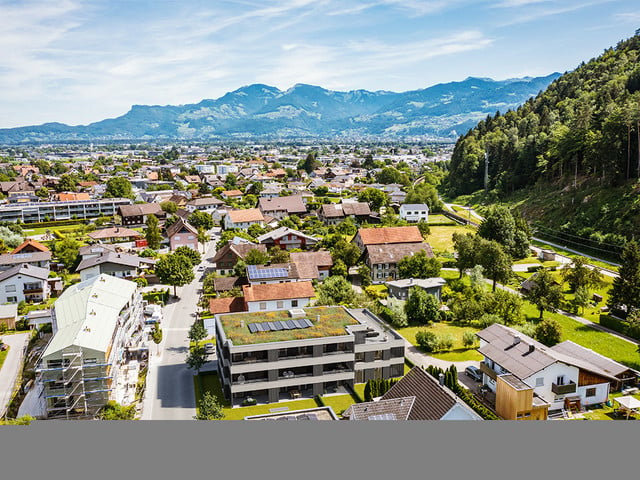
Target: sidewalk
11	367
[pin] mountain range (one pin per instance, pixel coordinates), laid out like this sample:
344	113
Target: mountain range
443	111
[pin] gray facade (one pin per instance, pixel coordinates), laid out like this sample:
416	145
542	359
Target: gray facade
311	366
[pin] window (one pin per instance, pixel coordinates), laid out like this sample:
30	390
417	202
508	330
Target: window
280	304
9	288
591	392
294	303
12	299
263	305
177	237
540	382
560	380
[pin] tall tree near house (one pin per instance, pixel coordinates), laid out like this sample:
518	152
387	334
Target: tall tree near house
580	275
335	290
202	238
210	408
152	232
466	246
169	207
310	163
548	332
544	292
201	220
156	336
625	293
421	307
118	187
495	262
67	251
419	266
174	270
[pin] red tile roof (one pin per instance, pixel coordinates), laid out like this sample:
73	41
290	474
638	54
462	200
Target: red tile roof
248	215
278	291
30	242
377	236
227	305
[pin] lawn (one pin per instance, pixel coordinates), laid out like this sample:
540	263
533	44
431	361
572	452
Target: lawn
459	352
606	413
441	219
42	230
211	383
3	355
440	236
339	403
603	343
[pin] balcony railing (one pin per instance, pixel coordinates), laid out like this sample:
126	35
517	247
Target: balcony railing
490	372
563	389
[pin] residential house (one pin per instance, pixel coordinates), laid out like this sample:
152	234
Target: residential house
302	352
386	236
400	288
243	219
204	203
182	233
227	305
232	194
35	259
281	207
287	239
334	213
24	282
224	284
138	213
97	249
416	396
71	196
383	259
414	212
317	264
115	234
227	256
96	322
317	413
530	380
277	296
120	265
279	273
30	246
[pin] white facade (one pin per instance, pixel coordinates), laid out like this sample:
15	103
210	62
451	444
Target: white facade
268	305
205	169
414	212
16	289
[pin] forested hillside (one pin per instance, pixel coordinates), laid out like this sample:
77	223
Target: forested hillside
577	143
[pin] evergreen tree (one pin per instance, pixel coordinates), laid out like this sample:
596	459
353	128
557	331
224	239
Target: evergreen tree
152	232
625	293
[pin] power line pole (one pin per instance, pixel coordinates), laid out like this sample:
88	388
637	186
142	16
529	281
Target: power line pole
486	171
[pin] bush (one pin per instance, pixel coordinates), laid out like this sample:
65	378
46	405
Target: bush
469	338
249	401
488	319
427	340
534	268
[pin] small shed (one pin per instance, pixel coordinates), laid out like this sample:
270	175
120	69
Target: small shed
547	255
8	315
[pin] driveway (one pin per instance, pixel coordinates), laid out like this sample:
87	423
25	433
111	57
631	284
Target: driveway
11	366
169	393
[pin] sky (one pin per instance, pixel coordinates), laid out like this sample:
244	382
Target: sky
81	61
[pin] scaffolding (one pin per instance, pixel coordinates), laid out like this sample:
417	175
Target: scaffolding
75	387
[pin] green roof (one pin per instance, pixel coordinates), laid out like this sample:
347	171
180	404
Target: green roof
327	322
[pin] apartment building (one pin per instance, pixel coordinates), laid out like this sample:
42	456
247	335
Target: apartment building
302	352
95	323
53	211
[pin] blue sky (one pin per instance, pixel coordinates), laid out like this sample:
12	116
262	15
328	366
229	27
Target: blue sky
77	62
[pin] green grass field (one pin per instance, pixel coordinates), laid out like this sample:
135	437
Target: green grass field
3	355
459	352
440	236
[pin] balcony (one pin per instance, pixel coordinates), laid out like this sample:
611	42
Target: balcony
563	389
486	369
32	290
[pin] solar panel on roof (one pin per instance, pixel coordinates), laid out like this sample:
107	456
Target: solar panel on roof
305	322
271	326
278	325
296	323
252	328
285	325
260	327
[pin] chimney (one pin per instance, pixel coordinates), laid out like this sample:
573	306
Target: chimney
516	339
318	318
441	378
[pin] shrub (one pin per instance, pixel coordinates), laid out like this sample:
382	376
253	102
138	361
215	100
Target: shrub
488	319
469	338
428	341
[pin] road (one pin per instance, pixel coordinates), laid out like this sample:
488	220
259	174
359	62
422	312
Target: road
561	258
11	367
169	392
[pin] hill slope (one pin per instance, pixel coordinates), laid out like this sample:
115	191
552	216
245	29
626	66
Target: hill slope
570	156
261	111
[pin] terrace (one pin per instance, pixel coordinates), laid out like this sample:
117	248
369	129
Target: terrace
326	322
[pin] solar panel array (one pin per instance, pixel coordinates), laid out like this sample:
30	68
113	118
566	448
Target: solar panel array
280	325
257	273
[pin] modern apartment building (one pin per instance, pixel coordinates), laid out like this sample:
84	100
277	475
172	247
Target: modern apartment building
95	323
303	352
51	211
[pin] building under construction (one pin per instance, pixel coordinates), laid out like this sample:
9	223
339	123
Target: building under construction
95	323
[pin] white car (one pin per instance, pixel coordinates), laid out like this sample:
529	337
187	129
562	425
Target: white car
209	348
201	268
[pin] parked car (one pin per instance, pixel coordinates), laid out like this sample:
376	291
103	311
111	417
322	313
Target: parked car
473	372
209	348
201	268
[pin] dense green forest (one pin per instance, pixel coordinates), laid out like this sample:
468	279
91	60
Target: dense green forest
569	157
